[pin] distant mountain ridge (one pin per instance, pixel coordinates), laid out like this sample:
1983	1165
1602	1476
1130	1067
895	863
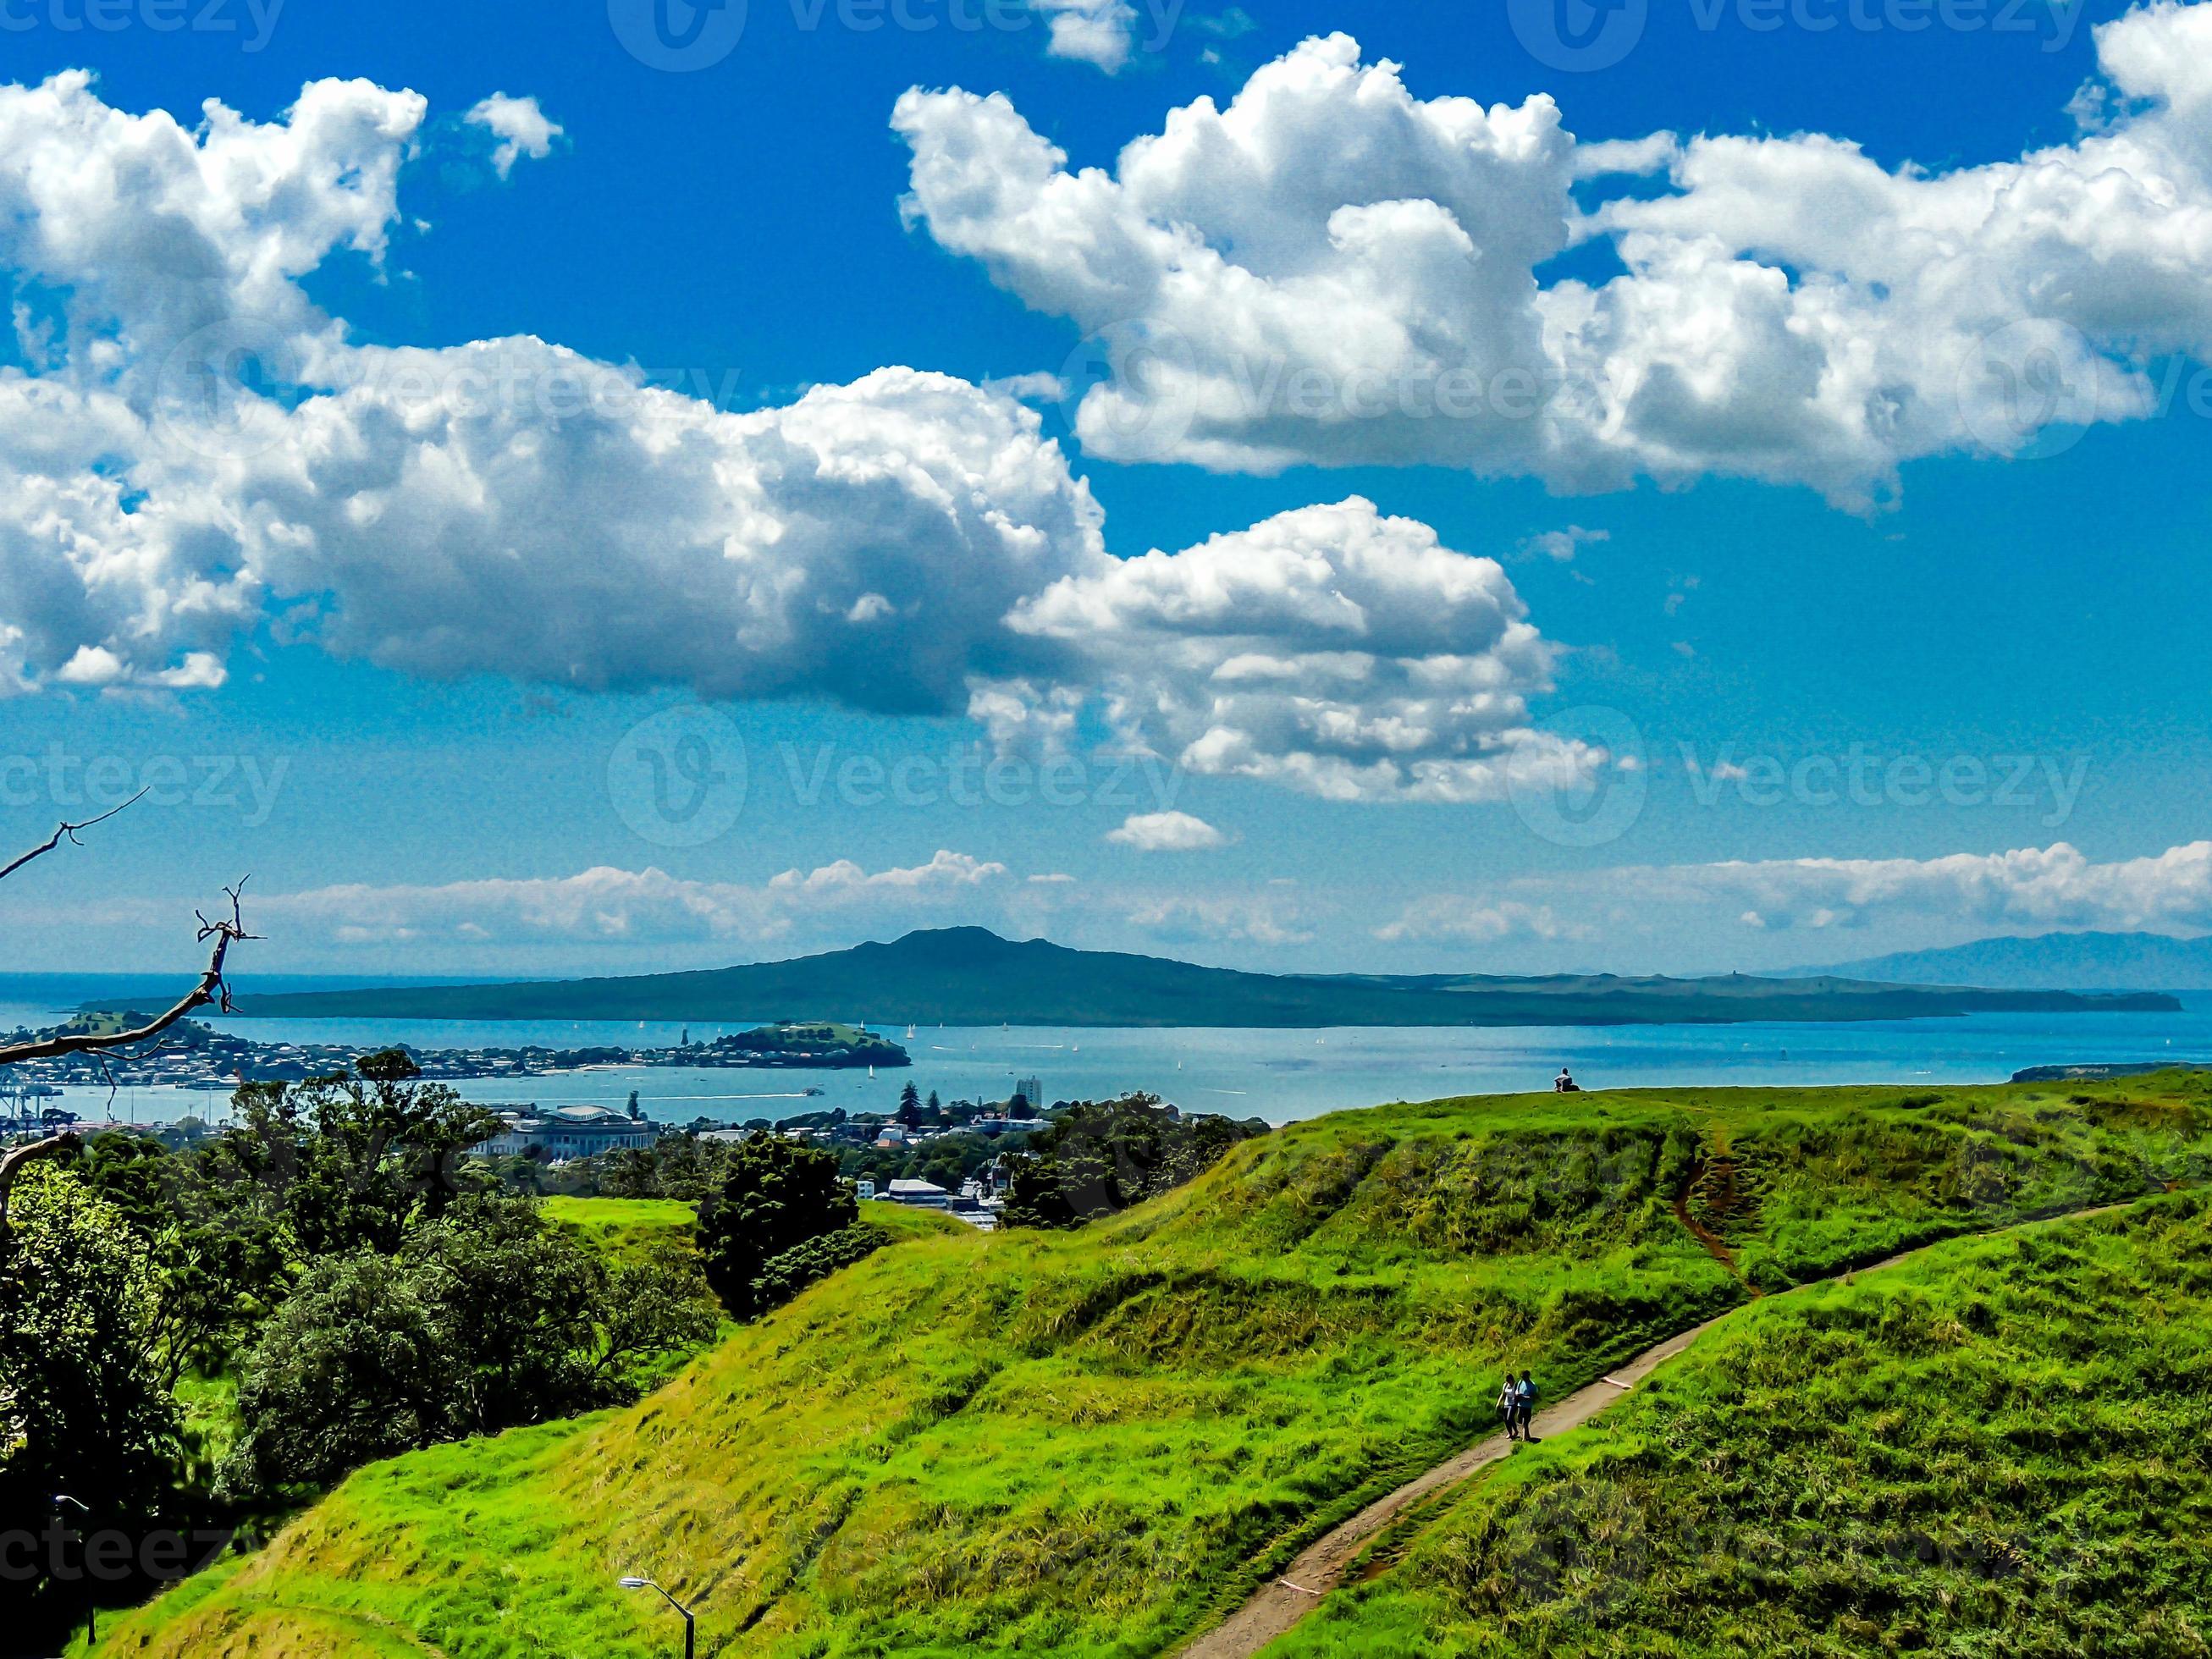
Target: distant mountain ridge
2051	962
970	976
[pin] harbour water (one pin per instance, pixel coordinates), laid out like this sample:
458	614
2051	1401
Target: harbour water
1277	1075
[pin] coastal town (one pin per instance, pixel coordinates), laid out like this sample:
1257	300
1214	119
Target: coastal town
195	1055
890	1152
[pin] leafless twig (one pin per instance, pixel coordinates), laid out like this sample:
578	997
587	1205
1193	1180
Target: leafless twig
66	832
212	990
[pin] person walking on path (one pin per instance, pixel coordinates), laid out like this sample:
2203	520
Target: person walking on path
1524	1396
1509	1406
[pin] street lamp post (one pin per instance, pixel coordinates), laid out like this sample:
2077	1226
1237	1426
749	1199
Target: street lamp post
690	1627
91	1607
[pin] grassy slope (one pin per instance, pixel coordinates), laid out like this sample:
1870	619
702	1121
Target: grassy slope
1082	1444
1995	1448
628	1231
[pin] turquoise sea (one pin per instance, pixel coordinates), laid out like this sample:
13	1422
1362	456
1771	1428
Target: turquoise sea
1277	1075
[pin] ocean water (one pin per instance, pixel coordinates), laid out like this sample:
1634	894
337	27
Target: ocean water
1278	1075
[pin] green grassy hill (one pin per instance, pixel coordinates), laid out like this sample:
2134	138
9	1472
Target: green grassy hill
629	1231
1095	1444
1998	1447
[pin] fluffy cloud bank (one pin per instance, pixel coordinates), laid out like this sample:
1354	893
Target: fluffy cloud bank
2027	890
2035	889
191	452
647	906
1454	920
1332	270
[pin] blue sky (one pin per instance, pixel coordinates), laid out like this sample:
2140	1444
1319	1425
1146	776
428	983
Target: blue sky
1734	638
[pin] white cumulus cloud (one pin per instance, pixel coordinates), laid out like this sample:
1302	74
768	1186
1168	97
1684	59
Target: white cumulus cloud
1098	31
193	453
1167	832
1331	649
1330	270
520	126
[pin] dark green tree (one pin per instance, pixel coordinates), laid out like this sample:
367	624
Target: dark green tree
89	1411
775	1195
483	1320
352	1162
223	1259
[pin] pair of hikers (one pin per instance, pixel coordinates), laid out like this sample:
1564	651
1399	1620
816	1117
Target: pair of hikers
1516	1404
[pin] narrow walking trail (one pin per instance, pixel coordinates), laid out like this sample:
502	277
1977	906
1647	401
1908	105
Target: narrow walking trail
1323	1565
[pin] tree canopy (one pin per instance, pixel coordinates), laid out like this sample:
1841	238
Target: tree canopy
775	1195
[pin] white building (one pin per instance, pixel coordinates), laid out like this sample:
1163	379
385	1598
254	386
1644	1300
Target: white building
560	1133
922	1195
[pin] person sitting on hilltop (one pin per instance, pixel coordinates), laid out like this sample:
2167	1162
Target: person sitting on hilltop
1564	1084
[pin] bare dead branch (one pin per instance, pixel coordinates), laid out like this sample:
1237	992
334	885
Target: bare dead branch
66	832
211	991
14	1163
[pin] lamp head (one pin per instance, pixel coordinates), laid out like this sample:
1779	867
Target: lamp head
636	1584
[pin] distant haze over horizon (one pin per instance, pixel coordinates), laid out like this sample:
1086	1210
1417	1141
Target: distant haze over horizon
2049	961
